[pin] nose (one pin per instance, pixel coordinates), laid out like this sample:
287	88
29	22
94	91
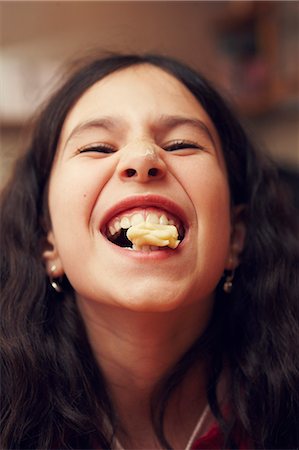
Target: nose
141	162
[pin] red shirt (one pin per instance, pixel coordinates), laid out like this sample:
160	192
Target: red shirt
213	440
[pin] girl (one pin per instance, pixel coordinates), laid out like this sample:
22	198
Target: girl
147	272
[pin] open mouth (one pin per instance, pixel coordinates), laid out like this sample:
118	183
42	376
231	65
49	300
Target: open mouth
145	229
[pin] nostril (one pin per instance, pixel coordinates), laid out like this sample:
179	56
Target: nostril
153	172
130	172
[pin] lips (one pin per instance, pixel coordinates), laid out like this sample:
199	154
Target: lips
151	209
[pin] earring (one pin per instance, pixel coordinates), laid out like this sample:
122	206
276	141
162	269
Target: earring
54	283
228	284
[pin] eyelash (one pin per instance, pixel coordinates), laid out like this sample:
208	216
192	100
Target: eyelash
99	148
108	149
181	145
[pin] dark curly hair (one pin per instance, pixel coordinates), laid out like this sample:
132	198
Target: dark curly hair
54	394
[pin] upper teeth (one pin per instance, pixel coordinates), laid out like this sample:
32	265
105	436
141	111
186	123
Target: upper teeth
127	220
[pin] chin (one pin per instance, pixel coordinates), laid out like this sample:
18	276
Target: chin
151	299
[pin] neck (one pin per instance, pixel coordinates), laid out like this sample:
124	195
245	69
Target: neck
135	350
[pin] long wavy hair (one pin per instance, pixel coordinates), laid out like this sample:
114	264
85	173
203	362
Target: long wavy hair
54	394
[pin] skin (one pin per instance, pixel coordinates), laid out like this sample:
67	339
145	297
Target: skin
132	301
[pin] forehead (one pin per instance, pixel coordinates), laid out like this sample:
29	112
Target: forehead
137	93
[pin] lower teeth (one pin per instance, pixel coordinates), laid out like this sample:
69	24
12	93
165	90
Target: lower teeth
146	248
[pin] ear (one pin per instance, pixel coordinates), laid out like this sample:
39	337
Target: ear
51	257
238	235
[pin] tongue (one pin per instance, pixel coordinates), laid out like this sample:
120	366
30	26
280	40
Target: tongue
150	234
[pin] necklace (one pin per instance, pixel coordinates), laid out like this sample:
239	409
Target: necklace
197	429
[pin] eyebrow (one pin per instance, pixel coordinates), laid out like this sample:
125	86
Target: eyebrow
164	122
170	122
108	123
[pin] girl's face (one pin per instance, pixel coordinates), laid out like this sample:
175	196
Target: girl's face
138	142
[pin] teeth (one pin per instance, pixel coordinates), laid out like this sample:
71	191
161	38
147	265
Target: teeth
126	221
145	248
163	220
117	226
152	218
136	219
112	230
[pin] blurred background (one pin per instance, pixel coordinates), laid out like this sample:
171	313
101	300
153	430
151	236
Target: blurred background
248	49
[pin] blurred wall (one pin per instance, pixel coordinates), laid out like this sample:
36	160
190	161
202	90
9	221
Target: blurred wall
227	41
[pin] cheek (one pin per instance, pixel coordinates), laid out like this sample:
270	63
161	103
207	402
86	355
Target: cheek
67	197
209	192
75	187
71	198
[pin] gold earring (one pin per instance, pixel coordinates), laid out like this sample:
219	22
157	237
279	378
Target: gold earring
54	283
228	284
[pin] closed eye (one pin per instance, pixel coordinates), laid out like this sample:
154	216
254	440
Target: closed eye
181	145
97	148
